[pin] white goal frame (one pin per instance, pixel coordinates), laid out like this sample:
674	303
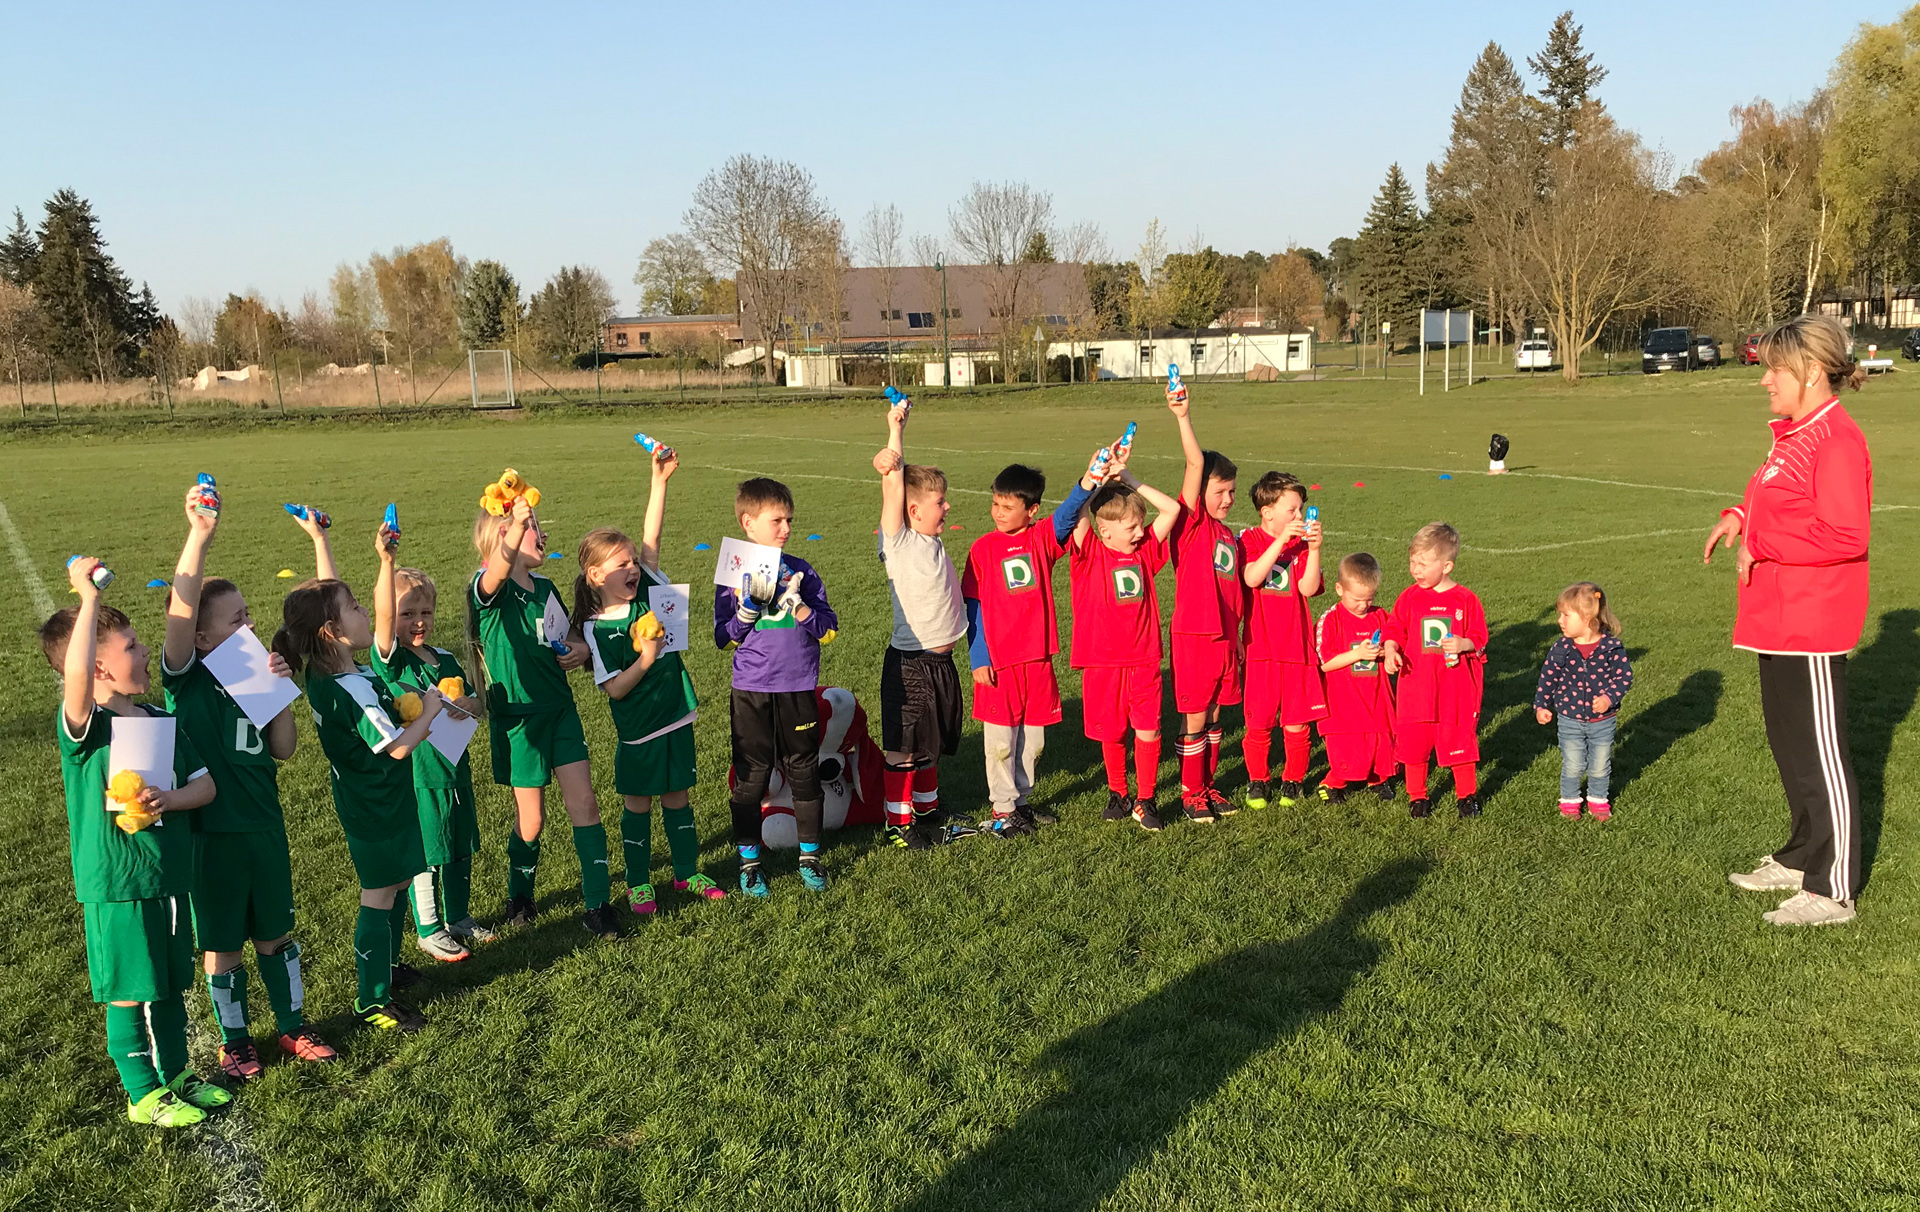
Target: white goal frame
474	357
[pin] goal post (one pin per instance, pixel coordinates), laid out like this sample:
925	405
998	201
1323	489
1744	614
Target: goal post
491	373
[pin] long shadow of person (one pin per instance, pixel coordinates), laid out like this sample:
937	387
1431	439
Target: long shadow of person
1883	681
1131	1080
1514	656
1645	737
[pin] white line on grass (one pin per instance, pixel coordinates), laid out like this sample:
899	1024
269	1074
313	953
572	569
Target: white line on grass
36	588
808	475
1605	538
224	1141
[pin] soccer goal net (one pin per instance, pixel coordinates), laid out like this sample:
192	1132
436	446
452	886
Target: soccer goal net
491	371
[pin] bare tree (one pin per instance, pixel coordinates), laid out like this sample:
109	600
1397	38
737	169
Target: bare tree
672	275
993	225
1081	243
760	218
880	235
16	320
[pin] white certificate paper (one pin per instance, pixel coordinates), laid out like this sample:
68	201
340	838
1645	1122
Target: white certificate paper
554	624
144	744
240	666
670	605
450	733
739	558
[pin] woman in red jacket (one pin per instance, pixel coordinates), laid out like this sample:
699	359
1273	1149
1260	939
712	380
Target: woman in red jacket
1802	533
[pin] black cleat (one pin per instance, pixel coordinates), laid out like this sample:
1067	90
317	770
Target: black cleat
601	921
406	976
1383	790
1118	806
1469	806
1258	793
1145	816
1036	815
1291	793
1332	795
519	911
1012	825
925	835
1420	810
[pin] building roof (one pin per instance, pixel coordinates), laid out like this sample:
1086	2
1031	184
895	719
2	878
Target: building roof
718	318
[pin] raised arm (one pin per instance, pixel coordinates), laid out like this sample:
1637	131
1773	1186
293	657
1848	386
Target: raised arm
500	563
76	672
1168	509
891	463
323	565
663	469
385	546
1193	482
183	604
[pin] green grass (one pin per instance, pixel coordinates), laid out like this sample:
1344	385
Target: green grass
1315	1008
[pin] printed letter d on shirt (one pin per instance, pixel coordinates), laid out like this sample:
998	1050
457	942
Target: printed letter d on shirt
1017	572
1128	584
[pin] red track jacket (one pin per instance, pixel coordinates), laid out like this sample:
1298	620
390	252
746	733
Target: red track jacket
1806	519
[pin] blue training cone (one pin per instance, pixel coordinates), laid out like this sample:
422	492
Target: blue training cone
703	546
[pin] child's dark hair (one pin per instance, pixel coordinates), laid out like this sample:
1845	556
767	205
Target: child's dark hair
57	631
595	546
213	589
1018	480
307	610
753	496
1275	484
1589	601
1116	502
1216	466
1360	568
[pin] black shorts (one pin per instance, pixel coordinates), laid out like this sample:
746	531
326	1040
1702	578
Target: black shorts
919	703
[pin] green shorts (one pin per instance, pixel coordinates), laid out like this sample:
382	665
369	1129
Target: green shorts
449	826
655	767
242	888
527	749
138	951
386	861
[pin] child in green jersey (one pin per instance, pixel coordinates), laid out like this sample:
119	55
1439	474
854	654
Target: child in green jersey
370	752
518	628
243	882
650	694
405	658
130	882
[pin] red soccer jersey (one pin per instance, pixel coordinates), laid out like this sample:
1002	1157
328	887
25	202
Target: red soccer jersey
1359	696
1116	613
1428	689
1279	625
1208	595
1011	575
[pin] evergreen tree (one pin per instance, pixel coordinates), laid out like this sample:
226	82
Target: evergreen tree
1570	75
18	252
489	306
85	302
1039	250
1386	254
1492	167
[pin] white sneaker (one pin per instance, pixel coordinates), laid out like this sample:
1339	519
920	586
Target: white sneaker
1810	909
442	946
470	931
1769	876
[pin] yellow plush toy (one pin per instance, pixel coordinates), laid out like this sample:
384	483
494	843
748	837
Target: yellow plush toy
453	688
646	627
408	707
125	789
500	495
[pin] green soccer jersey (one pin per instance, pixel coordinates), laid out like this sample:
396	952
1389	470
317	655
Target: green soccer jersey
516	629
110	864
664	696
354	715
404	671
247	795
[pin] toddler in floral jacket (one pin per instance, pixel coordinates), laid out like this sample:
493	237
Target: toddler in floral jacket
1583	681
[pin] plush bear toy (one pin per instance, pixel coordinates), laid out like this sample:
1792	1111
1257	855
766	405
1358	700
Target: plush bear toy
500	495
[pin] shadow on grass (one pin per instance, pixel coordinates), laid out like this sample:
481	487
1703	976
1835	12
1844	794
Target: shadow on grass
1883	683
1132	1080
1514	656
1645	738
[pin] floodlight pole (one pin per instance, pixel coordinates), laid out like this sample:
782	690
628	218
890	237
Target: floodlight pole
946	346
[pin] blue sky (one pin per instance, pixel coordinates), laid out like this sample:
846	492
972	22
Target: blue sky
230	147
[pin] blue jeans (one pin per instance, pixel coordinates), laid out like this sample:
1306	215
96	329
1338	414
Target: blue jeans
1586	748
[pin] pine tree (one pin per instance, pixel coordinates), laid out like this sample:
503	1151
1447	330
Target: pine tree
1386	254
1039	250
85	302
1570	76
489	305
1492	166
18	252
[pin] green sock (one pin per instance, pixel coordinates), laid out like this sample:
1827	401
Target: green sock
684	842
130	1048
523	860
167	1020
596	878
426	906
636	842
280	973
397	926
456	889
373	957
229	993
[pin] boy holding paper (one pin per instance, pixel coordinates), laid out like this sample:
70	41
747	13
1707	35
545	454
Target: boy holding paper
132	867
243	882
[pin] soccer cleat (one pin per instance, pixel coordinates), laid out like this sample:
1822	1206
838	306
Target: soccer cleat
813	873
1420	810
1383	790
1221	805
955	828
441	945
753	881
1600	810
1257	793
161	1109
896	835
1291	794
1469	807
699	885
240	1061
926	834
305	1044
469	931
1012	825
1035	815
1770	876
601	921
196	1091
1570	809
1145	816
394	1016
1194	804
406	976
1805	908
641	901
1118	806
519	911
1332	795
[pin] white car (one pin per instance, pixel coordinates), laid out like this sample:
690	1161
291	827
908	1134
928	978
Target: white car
1533	355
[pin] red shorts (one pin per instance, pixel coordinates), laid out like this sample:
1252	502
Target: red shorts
1285	692
1026	693
1114	698
1450	744
1206	671
1359	757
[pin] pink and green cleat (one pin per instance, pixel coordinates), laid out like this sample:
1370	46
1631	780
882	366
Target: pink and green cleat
641	901
700	886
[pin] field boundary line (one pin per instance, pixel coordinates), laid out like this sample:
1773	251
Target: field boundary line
224	1141
36	588
812	475
1605	538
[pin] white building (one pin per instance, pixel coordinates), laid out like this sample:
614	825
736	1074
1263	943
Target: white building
1208	351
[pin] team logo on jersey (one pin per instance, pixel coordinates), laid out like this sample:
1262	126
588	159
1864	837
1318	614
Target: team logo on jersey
246	738
1016	572
1279	579
1128	584
1769	473
1364	668
1433	630
1223	557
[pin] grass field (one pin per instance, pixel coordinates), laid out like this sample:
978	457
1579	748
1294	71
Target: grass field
1316	1008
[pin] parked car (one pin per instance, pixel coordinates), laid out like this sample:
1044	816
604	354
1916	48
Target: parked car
1533	355
1910	348
1668	349
1706	350
1750	350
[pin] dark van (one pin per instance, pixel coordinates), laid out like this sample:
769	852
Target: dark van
1668	349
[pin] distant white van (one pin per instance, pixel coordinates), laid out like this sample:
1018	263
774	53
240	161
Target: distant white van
1533	355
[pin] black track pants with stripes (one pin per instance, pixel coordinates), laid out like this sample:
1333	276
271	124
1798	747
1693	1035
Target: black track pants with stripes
1804	699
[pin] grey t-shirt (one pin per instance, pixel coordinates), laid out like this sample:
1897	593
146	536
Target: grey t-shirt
928	611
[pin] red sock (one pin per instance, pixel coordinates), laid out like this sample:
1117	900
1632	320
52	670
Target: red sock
896	786
1466	781
1115	755
1192	748
1257	747
1214	734
1299	747
926	789
1416	780
1146	764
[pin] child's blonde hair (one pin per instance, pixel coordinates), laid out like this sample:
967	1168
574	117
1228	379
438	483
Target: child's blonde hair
1361	569
1116	502
1589	601
406	580
489	531
1437	537
595	546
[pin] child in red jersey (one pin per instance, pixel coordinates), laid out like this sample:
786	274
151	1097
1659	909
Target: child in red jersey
1359	724
1434	644
1112	557
1012	635
1208	603
1280	563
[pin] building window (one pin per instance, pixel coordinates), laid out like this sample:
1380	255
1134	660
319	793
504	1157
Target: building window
896	313
646	338
883	315
1198	352
1293	349
953	313
1146	355
919	319
845	316
1057	321
620	339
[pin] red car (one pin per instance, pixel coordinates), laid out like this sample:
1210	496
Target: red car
1750	350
